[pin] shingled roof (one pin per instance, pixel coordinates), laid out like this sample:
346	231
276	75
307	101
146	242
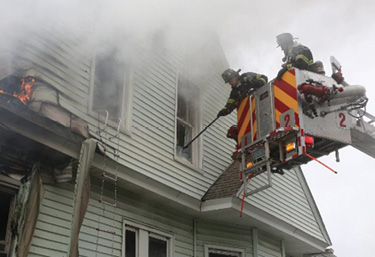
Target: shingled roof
227	184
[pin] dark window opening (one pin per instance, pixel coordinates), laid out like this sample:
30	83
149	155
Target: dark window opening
183	138
109	84
5	200
157	247
130	243
6	206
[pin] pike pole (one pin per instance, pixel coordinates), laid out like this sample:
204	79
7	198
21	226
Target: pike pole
212	122
200	133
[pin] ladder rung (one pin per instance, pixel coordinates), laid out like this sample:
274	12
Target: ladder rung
106	231
108	203
104	175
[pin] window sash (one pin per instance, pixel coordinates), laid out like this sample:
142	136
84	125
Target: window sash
143	235
187	94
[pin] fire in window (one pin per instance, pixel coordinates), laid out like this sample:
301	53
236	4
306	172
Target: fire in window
187	118
109	81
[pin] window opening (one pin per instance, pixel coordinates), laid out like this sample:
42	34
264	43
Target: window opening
157	246
140	240
6	207
187	118
130	243
109	81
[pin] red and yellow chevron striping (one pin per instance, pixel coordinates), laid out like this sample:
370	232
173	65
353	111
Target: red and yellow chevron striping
243	119
285	93
253	118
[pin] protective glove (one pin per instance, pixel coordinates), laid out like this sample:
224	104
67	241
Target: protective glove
281	73
232	132
221	113
255	83
338	77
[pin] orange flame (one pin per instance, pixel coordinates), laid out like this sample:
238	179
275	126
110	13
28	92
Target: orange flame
26	89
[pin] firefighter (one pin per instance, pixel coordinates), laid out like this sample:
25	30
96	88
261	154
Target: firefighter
296	55
242	85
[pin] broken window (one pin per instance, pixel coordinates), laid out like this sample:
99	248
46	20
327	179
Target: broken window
141	241
109	85
187	120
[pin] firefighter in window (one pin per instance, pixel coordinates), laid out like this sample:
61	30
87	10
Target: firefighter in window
296	55
242	86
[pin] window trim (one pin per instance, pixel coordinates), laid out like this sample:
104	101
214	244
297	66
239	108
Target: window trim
143	231
207	247
197	151
126	100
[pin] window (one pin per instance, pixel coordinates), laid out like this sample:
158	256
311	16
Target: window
141	241
220	251
7	203
188	122
111	87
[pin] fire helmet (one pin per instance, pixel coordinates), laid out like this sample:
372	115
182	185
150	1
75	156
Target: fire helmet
284	38
229	74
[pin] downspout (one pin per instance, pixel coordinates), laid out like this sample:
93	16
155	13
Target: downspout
282	248
81	196
254	233
194	237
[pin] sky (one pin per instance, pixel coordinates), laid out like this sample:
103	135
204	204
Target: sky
247	30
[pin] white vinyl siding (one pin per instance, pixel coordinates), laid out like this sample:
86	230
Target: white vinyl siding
52	231
153	107
215	234
286	200
268	247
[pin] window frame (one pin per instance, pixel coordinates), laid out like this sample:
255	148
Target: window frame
143	233
126	99
239	250
197	145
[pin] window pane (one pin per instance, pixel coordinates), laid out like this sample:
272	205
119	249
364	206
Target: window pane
5	200
109	80
184	137
182	108
130	243
157	247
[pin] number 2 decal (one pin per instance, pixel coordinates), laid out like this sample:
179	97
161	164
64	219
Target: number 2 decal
342	120
287	120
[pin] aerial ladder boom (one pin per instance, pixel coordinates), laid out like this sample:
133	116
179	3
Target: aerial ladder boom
301	117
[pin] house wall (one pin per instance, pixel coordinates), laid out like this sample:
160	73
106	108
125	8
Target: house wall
52	233
287	200
268	247
68	68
